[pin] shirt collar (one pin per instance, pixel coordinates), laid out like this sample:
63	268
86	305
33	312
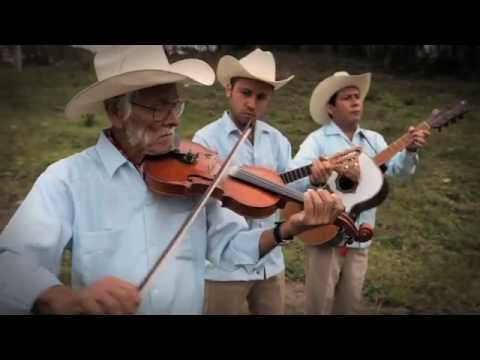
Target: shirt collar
111	158
230	126
332	129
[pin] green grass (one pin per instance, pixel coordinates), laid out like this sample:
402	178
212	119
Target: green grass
425	256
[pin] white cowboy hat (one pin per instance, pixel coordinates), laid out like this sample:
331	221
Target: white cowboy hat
124	68
258	65
328	87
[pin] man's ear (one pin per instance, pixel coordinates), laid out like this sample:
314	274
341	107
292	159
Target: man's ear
330	109
114	115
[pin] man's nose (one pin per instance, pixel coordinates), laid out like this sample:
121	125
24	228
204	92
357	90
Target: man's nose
250	102
356	102
171	120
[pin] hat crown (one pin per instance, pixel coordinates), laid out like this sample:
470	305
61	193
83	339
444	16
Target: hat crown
341	73
260	63
127	58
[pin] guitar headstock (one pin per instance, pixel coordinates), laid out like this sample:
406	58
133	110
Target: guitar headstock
443	118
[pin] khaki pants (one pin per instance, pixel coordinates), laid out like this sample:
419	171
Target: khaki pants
334	282
260	297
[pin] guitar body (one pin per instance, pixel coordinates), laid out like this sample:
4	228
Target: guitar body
315	236
369	185
371	203
368	192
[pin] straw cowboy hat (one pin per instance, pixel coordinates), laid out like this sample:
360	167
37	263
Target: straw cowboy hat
328	87
258	65
125	68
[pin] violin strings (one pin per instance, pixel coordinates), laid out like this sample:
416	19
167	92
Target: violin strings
269	185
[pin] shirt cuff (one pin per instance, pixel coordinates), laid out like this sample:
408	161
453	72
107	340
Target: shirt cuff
411	157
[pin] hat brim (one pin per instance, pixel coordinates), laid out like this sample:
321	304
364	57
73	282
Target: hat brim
229	67
328	87
91	99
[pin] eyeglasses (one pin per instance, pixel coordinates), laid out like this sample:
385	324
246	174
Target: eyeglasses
162	111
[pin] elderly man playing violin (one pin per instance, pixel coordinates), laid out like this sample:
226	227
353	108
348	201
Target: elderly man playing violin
98	199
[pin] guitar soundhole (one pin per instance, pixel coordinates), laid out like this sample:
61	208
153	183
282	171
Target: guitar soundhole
346	185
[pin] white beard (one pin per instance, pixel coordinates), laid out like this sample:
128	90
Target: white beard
140	137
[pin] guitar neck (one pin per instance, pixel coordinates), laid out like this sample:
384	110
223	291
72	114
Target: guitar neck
302	172
397	146
296	174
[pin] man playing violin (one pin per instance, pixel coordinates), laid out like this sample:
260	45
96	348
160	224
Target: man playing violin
249	83
98	199
334	276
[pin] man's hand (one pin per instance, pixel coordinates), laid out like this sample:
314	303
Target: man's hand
321	171
109	295
320	208
418	139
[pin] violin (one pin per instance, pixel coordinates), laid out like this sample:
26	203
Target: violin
251	191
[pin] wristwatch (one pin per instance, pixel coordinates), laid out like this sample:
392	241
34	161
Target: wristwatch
277	236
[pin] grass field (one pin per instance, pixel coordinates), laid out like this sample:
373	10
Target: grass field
426	253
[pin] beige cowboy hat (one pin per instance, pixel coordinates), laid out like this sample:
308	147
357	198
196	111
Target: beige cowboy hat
124	68
328	87
258	65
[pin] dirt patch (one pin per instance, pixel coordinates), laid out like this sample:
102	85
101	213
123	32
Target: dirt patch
295	302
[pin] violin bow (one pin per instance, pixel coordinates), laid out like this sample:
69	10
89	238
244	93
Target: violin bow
182	231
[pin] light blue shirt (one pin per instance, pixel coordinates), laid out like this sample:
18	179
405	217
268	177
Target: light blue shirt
119	228
270	149
330	139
